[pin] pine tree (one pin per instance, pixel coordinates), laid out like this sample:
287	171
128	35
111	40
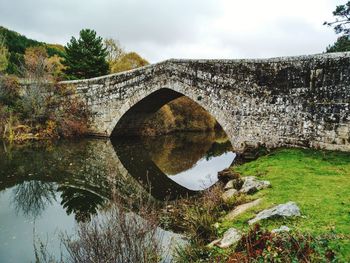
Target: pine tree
342	44
341	25
86	57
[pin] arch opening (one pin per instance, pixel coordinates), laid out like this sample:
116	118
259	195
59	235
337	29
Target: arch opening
186	157
136	117
162	112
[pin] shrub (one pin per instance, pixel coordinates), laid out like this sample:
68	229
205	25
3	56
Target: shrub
260	245
197	216
4	115
35	102
114	235
9	90
71	117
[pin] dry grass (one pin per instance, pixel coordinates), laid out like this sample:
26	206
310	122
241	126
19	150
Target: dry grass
114	235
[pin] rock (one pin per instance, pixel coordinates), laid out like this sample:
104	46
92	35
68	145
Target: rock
281	229
169	242
234	183
213	243
230	237
227	195
284	210
227	175
241	209
252	185
229	185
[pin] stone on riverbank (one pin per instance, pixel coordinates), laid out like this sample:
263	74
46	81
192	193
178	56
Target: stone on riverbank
251	185
169	243
234	183
229	194
241	209
289	209
230	237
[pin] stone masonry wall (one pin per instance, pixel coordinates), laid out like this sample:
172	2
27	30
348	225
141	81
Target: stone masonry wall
293	101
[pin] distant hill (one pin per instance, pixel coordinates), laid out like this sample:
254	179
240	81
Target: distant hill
17	44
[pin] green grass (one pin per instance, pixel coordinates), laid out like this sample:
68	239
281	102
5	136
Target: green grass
318	181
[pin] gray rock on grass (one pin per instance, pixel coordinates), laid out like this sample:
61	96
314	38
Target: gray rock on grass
230	237
289	209
251	185
241	209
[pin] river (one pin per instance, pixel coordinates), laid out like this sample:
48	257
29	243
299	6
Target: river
47	187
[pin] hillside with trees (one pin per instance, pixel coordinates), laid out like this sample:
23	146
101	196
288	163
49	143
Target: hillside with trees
17	44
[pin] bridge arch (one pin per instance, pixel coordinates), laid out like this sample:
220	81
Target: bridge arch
135	117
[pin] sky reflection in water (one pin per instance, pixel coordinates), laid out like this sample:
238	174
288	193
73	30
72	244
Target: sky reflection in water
48	188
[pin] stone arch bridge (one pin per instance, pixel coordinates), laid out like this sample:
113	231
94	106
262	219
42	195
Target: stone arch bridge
293	101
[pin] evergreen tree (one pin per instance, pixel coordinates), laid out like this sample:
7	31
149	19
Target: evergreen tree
86	57
342	44
341	25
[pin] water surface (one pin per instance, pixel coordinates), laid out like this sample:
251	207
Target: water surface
46	188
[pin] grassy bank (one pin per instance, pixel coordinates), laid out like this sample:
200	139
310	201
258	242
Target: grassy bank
319	182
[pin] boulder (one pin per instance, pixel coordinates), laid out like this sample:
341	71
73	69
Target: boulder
229	185
227	195
289	209
241	209
251	185
234	183
230	237
169	243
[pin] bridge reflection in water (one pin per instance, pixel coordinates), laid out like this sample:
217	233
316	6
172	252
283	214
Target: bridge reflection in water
171	166
54	185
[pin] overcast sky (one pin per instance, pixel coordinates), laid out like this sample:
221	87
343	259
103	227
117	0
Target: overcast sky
162	29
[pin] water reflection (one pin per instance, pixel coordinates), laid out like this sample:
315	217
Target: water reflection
175	165
85	172
51	186
32	197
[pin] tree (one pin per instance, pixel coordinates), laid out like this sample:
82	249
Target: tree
342	44
86	57
128	61
341	25
35	60
55	67
3	54
114	50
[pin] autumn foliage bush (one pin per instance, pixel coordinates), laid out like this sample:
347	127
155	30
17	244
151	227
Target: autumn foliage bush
71	118
260	245
37	108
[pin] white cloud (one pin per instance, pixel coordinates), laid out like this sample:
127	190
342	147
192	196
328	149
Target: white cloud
160	29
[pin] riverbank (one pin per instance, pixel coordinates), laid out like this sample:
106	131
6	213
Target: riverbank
317	181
